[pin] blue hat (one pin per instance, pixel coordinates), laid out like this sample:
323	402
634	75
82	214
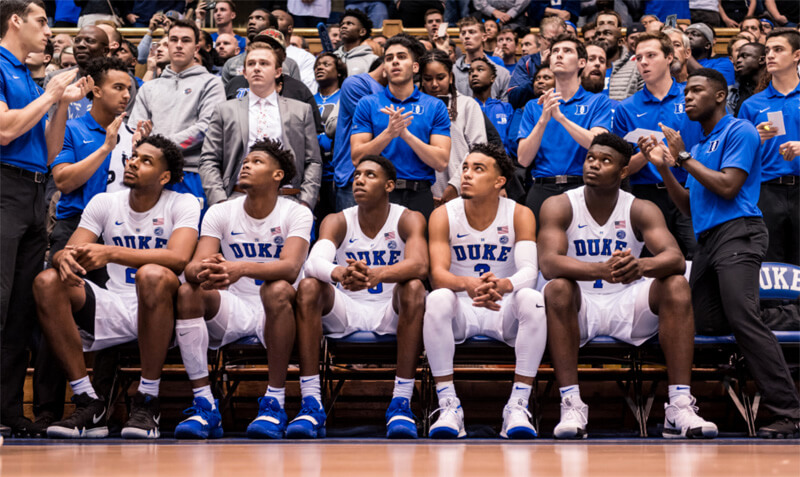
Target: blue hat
569	23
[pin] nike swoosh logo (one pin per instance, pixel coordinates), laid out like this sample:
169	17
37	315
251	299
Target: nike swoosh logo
539	306
87	142
763	110
640	115
568	389
118	223
96	419
353	240
517	387
582	226
306	380
237	233
157	419
443	389
461	235
671	423
681	388
184	334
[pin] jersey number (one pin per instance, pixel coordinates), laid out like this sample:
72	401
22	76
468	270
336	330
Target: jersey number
377	289
598	284
130	275
482	268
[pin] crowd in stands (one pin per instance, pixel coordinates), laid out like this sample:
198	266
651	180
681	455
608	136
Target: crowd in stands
192	106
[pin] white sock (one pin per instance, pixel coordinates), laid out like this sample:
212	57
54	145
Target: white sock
573	392
83	385
445	390
147	386
403	388
192	338
310	386
277	393
205	392
677	390
520	391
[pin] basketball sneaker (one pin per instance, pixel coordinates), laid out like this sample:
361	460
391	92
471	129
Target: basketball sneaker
574	416
204	421
782	428
450	424
144	418
400	421
681	421
270	422
310	421
87	422
517	421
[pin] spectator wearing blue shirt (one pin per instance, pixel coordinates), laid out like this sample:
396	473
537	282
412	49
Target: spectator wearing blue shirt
557	129
701	40
661	101
723	188
406	126
471	33
520	86
482	74
664	8
507	47
780	164
28	142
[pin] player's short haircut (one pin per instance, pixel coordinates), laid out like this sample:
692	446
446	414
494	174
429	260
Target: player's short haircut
414	46
714	76
274	149
98	68
183	23
616	143
489	63
498	153
664	40
469	21
386	165
580	48
791	35
10	8
362	18
172	155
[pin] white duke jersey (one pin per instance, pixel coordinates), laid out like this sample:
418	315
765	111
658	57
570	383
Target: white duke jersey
475	252
110	215
386	248
119	156
244	238
592	242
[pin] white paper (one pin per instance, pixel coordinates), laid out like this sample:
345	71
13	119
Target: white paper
633	136
776	118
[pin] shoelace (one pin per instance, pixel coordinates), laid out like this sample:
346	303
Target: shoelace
444	409
516	406
573	413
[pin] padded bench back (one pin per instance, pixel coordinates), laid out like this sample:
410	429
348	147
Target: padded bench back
780	281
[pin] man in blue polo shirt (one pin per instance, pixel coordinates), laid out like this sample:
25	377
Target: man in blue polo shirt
659	102
780	165
482	73
723	187
701	40
24	156
406	126
353	89
556	130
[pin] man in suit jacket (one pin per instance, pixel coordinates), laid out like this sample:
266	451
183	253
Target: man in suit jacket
239	122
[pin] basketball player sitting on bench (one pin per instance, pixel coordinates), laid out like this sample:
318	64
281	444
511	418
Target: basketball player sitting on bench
590	241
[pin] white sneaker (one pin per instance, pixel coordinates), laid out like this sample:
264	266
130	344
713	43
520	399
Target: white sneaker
681	421
517	421
574	416
450	424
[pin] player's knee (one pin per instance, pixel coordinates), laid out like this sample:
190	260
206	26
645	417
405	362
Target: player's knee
412	294
190	301
154	280
277	295
439	307
309	291
45	283
530	304
560	293
674	290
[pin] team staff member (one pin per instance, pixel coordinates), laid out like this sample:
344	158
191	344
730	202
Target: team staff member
568	127
723	188
780	166
659	102
405	125
24	156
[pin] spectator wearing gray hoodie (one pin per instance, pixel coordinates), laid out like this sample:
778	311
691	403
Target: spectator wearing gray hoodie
180	102
357	55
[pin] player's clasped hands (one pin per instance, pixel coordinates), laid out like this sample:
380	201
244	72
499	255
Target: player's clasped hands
550	101
69	270
217	273
398	120
488	290
92	256
622	267
358	276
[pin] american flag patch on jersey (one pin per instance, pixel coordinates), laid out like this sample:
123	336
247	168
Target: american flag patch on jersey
503	229
389	235
159	221
275	230
619	224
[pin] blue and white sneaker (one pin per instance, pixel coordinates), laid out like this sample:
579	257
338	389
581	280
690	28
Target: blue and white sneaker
450	424
205	421
400	421
517	421
310	421
271	420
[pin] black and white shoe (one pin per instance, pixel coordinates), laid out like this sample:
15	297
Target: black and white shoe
782	428
144	419
87	422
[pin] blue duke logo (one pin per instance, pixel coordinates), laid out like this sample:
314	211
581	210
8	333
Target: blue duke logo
595	247
679	108
713	145
141	242
375	258
481	252
581	110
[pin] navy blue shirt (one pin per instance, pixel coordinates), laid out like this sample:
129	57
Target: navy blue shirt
732	143
755	110
18	90
430	118
500	114
82	137
663	8
353	89
558	153
643	110
326	105
520	86
723	65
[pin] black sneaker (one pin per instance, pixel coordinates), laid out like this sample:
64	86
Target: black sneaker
782	428
145	416
87	422
19	426
40	425
5	431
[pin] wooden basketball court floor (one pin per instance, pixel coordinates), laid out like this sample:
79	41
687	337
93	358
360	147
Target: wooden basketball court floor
377	457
